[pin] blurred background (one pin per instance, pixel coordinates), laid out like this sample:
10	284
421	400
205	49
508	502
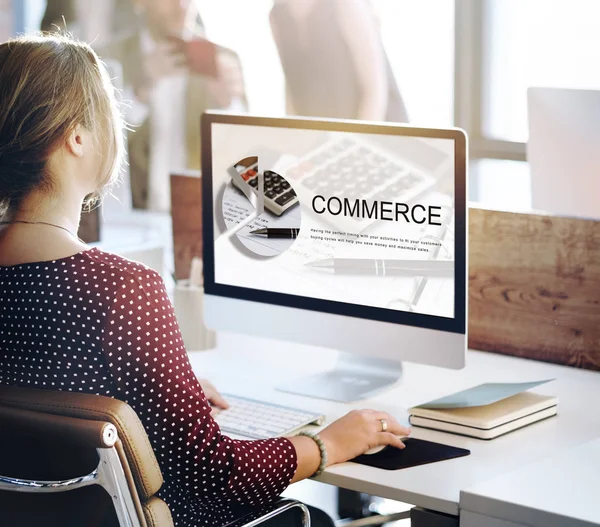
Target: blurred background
466	63
440	63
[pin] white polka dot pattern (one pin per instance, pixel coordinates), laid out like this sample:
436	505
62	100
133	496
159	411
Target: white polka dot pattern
98	323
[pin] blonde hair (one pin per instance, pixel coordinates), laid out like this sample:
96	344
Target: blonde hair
50	84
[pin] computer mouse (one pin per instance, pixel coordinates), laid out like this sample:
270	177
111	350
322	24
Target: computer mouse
377	449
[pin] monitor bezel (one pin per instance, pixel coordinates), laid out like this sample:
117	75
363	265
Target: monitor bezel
453	325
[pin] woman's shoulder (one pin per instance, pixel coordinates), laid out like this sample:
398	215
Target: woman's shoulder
118	268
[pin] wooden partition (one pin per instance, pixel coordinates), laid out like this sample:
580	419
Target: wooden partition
534	287
186	212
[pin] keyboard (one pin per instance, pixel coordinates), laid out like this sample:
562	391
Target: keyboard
260	420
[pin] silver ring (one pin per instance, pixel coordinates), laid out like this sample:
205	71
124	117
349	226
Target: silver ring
383	425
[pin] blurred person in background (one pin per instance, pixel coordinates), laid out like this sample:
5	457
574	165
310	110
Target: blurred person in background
95	22
334	61
169	86
59	15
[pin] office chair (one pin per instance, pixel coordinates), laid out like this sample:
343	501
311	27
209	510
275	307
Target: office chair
79	459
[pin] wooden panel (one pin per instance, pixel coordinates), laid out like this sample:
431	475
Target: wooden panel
534	287
186	211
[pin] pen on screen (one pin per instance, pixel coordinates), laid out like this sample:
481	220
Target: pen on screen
432	268
276	233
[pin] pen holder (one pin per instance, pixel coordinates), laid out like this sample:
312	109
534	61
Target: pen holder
189	309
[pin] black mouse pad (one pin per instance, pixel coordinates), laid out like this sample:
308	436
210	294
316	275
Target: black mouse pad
417	452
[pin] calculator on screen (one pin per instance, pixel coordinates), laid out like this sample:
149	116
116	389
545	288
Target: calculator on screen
279	196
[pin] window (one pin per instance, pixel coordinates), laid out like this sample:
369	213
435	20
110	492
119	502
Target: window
535	43
502	48
28	15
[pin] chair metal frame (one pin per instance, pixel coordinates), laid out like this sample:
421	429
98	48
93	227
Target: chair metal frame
373	521
109	474
277	508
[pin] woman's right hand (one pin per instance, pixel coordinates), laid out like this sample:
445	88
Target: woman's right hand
359	431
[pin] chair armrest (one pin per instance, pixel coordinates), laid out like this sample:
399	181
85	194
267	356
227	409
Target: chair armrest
58	428
272	511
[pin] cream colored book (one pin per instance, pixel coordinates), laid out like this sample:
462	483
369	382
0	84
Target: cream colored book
488	421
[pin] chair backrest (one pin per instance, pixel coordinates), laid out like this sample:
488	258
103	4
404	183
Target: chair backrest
53	442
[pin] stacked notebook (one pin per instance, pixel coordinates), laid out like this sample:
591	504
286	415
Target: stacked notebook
486	411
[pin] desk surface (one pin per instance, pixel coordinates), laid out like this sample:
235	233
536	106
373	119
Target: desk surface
560	491
252	367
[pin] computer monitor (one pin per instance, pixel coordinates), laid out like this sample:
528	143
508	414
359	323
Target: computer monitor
564	151
337	234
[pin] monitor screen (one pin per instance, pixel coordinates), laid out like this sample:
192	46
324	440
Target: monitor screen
353	219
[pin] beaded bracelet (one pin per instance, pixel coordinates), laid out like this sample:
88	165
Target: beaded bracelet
322	450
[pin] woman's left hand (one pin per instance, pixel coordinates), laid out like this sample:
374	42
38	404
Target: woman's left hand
214	397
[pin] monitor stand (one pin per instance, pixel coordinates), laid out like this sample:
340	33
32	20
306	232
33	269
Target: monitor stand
353	378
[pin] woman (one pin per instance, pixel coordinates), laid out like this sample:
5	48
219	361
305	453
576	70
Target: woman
334	61
80	319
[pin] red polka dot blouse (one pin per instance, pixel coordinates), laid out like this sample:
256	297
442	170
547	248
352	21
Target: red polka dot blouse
98	323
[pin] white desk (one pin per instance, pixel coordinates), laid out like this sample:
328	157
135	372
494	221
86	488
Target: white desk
251	367
560	491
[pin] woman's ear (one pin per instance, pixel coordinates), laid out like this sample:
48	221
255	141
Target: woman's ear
76	140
